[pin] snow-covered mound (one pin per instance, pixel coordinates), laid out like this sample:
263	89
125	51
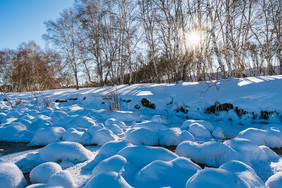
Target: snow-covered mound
217	178
108	179
271	137
173	136
65	151
103	136
209	153
114	163
14	132
172	173
62	178
42	172
203	123
231	174
76	135
45	136
11	176
244	172
142	136
216	153
107	150
274	181
198	130
139	156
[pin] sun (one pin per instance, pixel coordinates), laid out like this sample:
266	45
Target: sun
194	38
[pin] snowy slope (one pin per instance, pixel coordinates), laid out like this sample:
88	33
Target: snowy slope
236	147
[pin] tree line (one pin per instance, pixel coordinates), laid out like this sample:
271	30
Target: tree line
31	69
139	41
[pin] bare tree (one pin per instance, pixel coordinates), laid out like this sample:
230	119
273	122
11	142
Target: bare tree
63	34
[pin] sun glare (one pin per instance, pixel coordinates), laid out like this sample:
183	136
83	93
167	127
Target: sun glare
193	38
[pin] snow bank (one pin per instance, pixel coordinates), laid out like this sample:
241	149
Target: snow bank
45	136
271	137
142	136
114	163
108	179
174	173
173	136
274	181
42	172
61	151
11	176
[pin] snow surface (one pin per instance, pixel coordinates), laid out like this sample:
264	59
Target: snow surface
93	147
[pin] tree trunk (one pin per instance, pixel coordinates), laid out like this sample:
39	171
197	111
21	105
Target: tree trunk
76	80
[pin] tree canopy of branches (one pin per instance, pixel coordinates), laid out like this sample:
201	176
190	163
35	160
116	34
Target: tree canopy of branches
135	41
30	69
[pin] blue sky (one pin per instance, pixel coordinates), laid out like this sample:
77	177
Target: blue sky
23	20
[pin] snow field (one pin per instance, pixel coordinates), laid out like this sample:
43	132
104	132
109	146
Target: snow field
235	148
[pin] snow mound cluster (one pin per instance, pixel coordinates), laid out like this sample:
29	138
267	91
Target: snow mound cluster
215	153
202	129
231	174
124	165
164	137
271	137
50	174
107	150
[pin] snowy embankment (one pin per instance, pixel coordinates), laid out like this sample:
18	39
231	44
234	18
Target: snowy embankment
230	130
